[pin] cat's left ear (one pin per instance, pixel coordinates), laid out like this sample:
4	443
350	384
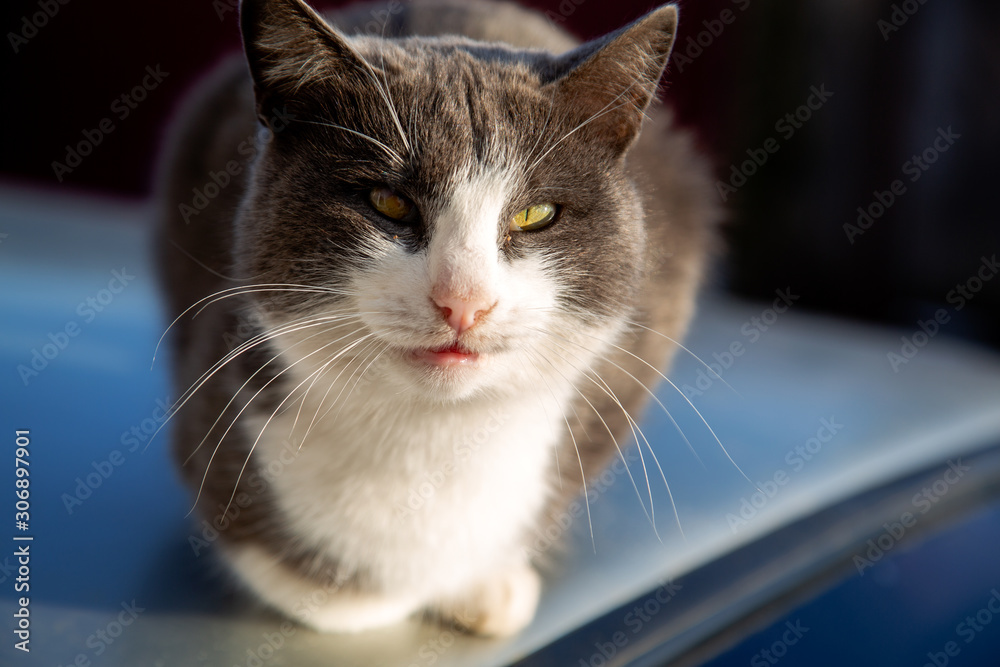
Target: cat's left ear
609	82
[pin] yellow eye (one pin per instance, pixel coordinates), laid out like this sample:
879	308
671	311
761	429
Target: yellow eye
533	217
391	204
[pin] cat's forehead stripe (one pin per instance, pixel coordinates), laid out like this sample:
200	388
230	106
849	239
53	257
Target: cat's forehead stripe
464	235
475	199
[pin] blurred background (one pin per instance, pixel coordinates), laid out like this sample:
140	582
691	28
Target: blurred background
855	144
855	141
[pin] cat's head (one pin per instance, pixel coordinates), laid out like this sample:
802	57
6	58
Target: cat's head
460	210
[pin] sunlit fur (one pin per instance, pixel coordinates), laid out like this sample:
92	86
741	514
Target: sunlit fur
575	320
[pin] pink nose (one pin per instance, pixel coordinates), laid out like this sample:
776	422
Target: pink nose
462	314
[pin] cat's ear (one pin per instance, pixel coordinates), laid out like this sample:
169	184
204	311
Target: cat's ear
288	46
608	83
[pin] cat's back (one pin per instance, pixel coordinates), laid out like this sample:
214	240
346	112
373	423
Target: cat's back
480	20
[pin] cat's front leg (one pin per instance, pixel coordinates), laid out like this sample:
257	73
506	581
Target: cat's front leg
499	606
322	606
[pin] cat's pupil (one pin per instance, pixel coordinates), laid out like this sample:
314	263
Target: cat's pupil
534	217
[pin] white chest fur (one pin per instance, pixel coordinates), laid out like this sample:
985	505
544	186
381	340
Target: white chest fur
419	496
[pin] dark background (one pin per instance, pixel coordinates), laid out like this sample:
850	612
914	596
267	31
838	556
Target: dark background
893	85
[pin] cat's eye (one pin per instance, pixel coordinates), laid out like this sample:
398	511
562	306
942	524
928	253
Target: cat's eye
533	217
391	204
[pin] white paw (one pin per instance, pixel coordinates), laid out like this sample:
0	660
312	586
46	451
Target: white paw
353	612
323	607
501	606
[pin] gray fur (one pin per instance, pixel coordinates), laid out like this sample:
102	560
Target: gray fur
635	228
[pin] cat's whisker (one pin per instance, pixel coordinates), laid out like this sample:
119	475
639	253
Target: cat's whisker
632	421
200	304
238	391
316	416
244	408
608	108
697	412
545	411
306	394
262	337
693	407
308	389
383	90
545	125
614	439
205	266
215	451
685	349
256	291
260	434
291	327
637	433
649	391
388	95
388	150
357	380
579	458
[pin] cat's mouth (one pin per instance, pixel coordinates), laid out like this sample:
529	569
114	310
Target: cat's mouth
447	357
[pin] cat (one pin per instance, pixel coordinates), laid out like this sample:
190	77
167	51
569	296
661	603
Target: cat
423	276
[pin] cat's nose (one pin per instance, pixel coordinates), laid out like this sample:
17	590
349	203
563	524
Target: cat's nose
462	314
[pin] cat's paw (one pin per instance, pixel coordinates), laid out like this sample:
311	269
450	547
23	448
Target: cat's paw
351	612
322	606
501	606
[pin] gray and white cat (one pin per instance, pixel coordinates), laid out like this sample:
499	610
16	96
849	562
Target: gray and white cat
457	268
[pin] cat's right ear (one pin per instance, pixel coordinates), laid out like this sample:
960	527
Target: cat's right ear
289	48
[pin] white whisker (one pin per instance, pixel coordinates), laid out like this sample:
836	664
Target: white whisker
389	151
243	409
615	441
579	459
273	414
